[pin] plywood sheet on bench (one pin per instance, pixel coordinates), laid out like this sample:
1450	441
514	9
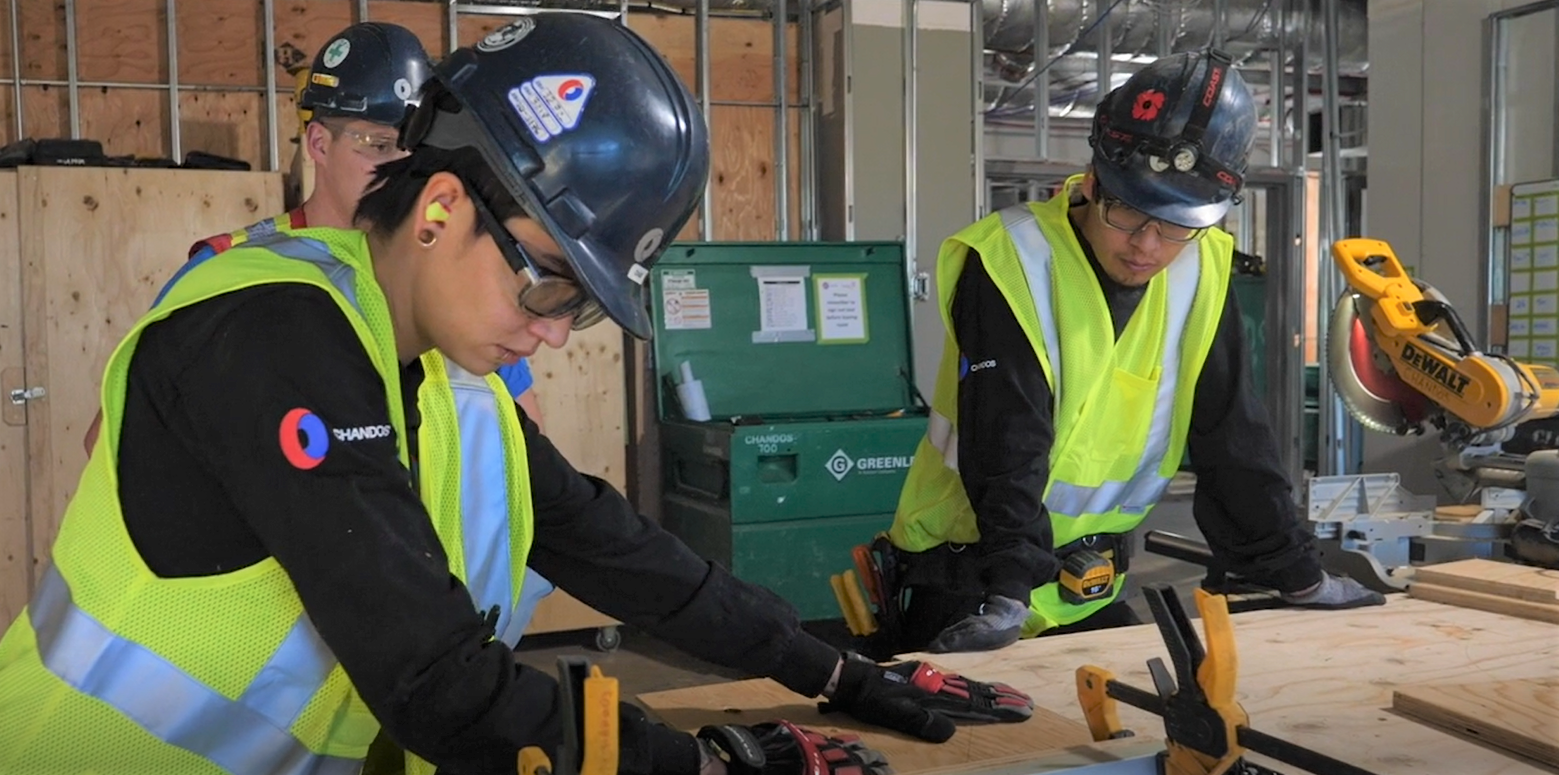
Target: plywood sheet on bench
1519	716
756	701
1321	679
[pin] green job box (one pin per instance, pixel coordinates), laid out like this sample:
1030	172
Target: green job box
788	411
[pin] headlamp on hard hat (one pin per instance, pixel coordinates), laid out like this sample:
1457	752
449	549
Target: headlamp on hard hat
1183	154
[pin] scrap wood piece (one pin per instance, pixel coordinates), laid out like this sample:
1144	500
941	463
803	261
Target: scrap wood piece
1518	716
1489	577
1497	604
759	700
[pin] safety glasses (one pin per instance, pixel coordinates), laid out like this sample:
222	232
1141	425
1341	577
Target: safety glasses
1123	217
375	147
547	295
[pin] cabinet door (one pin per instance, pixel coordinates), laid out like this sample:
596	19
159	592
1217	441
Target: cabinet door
97	244
15	528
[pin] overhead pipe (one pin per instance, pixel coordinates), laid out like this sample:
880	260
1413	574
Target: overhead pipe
1138	28
1250	27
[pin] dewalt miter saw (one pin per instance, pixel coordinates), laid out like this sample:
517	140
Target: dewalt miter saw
1400	357
1402	361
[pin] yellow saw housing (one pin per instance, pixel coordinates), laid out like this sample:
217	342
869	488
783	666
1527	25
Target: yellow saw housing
1429	349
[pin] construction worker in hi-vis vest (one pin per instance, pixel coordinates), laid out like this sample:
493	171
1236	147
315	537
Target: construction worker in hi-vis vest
1092	339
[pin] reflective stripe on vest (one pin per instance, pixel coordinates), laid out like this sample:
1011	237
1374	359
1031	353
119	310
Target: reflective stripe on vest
484	498
1146	486
247	735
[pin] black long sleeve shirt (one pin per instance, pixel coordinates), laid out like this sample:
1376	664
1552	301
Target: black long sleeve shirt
1006	430
206	489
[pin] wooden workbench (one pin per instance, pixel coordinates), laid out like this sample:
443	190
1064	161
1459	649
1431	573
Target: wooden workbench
1323	680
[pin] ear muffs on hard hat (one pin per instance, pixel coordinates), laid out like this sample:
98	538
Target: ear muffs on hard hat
1174	140
301	82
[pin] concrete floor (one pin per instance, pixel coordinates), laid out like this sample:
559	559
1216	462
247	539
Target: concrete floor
643	664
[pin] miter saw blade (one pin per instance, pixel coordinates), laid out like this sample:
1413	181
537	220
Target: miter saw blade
1363	376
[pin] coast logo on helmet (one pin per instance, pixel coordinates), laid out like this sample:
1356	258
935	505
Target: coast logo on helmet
507	35
303	438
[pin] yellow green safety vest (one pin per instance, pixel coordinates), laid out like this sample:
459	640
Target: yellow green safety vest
110	663
1122	408
470	496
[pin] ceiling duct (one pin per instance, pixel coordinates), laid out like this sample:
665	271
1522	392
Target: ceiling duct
1251	28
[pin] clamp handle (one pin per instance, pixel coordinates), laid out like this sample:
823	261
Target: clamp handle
590	729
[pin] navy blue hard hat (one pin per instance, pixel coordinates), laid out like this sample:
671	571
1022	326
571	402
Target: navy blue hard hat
1173	141
372	71
591	131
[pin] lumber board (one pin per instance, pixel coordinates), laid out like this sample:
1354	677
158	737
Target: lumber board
96	245
1500	604
758	700
1519	716
1321	679
1520	582
15	524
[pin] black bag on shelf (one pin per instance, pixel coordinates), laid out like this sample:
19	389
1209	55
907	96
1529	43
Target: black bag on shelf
55	152
200	160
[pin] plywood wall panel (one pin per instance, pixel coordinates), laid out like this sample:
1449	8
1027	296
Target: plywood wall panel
221	43
228	124
426	20
44	109
121	41
43	39
128	122
305	25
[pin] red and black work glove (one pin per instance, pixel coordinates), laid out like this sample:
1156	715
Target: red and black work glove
920	700
782	748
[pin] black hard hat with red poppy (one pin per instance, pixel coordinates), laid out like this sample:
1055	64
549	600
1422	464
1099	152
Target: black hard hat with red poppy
1173	141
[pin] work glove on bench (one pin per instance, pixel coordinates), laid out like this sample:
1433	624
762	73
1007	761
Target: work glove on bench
782	748
1335	593
920	700
996	625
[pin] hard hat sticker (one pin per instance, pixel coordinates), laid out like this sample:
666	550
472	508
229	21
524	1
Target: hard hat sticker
528	114
565	95
551	104
507	35
336	53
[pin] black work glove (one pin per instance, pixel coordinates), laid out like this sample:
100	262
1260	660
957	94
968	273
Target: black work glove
917	699
782	748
